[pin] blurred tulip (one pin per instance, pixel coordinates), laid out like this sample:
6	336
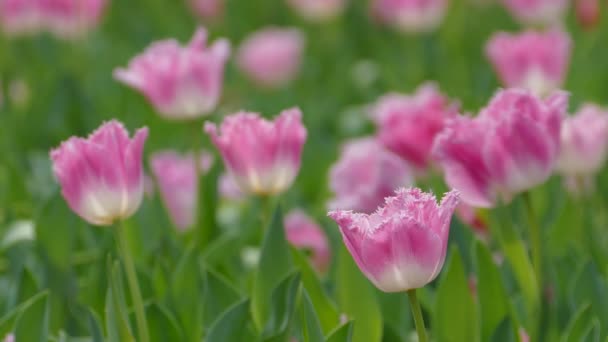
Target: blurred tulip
9	338
262	156
588	13
584	139
207	9
468	215
537	12
318	10
408	124
537	61
66	19
228	188
271	57
101	177
181	82
302	232
365	175
402	245
178	184
509	148
410	16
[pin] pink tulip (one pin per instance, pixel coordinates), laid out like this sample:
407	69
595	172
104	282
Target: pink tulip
401	246
181	82
410	16
588	13
9	338
509	148
271	57
318	10
537	12
302	232
228	188
584	139
262	156
66	19
207	9
101	177
366	174
532	60
178	184
407	125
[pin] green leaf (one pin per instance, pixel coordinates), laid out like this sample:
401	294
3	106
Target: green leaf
325	307
7	321
231	325
218	295
283	305
162	324
274	265
356	298
454	316
504	332
343	333
33	322
116	311
186	295
312	327
493	305
579	325
95	328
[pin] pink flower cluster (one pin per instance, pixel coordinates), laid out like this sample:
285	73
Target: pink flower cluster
66	19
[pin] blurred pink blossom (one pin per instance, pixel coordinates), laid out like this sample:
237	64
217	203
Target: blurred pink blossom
208	9
537	12
410	16
182	82
365	175
408	124
402	245
318	10
537	61
262	156
101	177
228	188
302	232
588	13
271	57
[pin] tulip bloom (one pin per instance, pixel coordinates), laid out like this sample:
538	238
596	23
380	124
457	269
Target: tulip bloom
181	82
101	177
366	174
509	148
537	12
178	184
66	19
584	139
271	57
302	232
532	60
402	246
407	125
262	156
588	13
207	9
318	10
410	16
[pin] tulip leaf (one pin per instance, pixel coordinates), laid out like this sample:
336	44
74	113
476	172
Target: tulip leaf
231	325
312	327
218	295
493	305
504	332
95	328
357	299
580	324
274	265
8	320
32	324
326	309
162	324
454	316
186	289
283	305
343	333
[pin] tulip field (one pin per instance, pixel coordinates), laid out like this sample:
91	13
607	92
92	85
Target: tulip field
303	170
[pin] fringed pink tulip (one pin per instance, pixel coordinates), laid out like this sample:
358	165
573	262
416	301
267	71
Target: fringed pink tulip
401	246
271	57
66	19
318	10
537	61
262	156
537	12
208	9
509	148
101	177
181	82
584	139
407	125
410	16
365	175
178	184
302	232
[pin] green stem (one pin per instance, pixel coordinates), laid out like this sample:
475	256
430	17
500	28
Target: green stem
200	229
417	313
535	241
138	303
